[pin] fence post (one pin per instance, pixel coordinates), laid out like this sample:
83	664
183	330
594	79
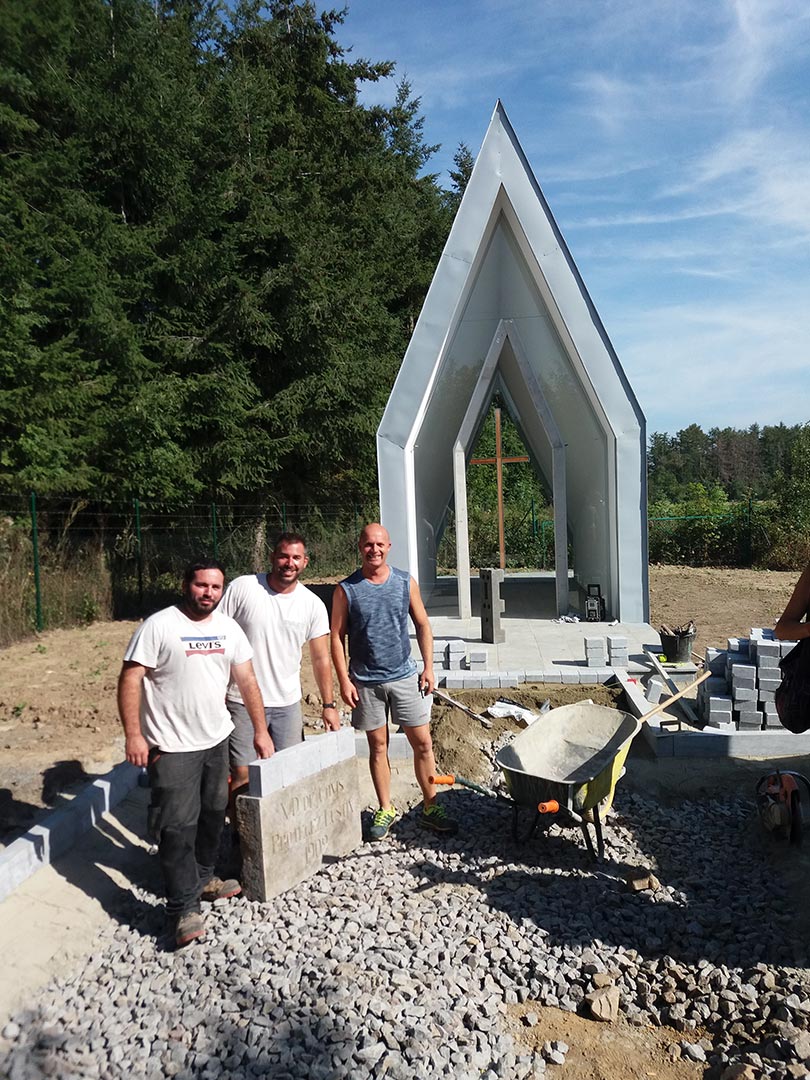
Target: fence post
136	503
35	542
283	517
543	541
750	530
214	539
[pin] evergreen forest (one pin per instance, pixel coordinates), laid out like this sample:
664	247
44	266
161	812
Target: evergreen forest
213	253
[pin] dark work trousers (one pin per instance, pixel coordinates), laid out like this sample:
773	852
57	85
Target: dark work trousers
190	793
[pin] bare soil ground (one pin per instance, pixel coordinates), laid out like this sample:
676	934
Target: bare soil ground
603	1051
723	603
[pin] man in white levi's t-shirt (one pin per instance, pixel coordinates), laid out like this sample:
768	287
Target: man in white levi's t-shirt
171	698
279	616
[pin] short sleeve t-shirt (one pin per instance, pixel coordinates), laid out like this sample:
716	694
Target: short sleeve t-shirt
277	625
183	703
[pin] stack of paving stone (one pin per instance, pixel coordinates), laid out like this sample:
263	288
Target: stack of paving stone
451	655
617	651
740	691
616	655
595	654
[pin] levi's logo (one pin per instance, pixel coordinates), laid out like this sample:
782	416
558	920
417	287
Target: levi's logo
204	646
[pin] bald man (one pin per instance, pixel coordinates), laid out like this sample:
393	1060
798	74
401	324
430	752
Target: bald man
381	682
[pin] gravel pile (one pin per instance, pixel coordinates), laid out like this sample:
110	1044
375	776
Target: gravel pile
400	961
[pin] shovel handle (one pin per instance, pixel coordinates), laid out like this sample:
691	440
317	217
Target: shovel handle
442	779
665	704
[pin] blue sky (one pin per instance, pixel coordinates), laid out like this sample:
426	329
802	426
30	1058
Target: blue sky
672	141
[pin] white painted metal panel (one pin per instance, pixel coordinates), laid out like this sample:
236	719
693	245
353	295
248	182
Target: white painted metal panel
505	265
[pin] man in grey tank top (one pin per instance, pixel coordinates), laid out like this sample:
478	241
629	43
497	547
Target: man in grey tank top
372	607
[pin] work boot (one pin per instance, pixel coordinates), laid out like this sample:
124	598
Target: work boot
189	927
217	889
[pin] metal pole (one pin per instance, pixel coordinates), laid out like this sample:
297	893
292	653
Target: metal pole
214	540
37	586
138	540
283	517
499	471
534	521
750	530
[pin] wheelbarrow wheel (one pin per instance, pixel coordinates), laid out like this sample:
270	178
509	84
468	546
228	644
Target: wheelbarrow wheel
521	835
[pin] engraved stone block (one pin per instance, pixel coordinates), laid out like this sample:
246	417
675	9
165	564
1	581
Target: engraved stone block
307	814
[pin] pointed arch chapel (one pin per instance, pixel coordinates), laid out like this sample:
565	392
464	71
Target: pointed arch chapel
508	311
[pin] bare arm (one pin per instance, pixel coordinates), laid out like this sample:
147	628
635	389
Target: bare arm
424	638
252	697
339	629
130	689
322	670
790	626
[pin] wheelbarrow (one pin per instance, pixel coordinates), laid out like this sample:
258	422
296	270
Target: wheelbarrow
569	762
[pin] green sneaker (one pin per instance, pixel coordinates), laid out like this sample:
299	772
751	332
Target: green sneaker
435	817
381	823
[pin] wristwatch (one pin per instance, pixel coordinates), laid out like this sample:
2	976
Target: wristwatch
328	705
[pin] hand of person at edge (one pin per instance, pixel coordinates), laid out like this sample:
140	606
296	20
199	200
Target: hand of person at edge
263	745
427	682
331	719
137	750
348	691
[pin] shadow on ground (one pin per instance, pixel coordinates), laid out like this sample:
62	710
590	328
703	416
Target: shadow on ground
729	895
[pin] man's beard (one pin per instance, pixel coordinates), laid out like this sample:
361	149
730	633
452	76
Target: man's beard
197	608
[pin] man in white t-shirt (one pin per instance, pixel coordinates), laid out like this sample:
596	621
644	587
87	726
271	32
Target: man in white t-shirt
171	698
279	616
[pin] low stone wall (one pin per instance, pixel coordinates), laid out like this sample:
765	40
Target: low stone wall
58	831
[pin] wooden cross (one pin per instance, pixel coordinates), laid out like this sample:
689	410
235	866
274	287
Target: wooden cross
499	461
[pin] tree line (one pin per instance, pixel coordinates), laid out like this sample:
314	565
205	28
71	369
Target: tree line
754	462
212	253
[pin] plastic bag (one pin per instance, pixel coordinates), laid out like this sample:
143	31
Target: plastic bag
505	707
793	694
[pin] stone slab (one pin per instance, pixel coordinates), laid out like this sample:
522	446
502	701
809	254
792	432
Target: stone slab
287	767
286	836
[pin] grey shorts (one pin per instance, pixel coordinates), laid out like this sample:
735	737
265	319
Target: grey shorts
402	701
284	722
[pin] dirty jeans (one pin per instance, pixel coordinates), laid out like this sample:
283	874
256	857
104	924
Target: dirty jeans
190	794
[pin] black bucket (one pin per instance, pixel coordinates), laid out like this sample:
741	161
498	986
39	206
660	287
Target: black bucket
677	648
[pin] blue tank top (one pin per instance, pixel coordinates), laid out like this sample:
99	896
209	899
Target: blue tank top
379	646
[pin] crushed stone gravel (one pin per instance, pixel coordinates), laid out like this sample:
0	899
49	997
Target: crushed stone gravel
401	960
